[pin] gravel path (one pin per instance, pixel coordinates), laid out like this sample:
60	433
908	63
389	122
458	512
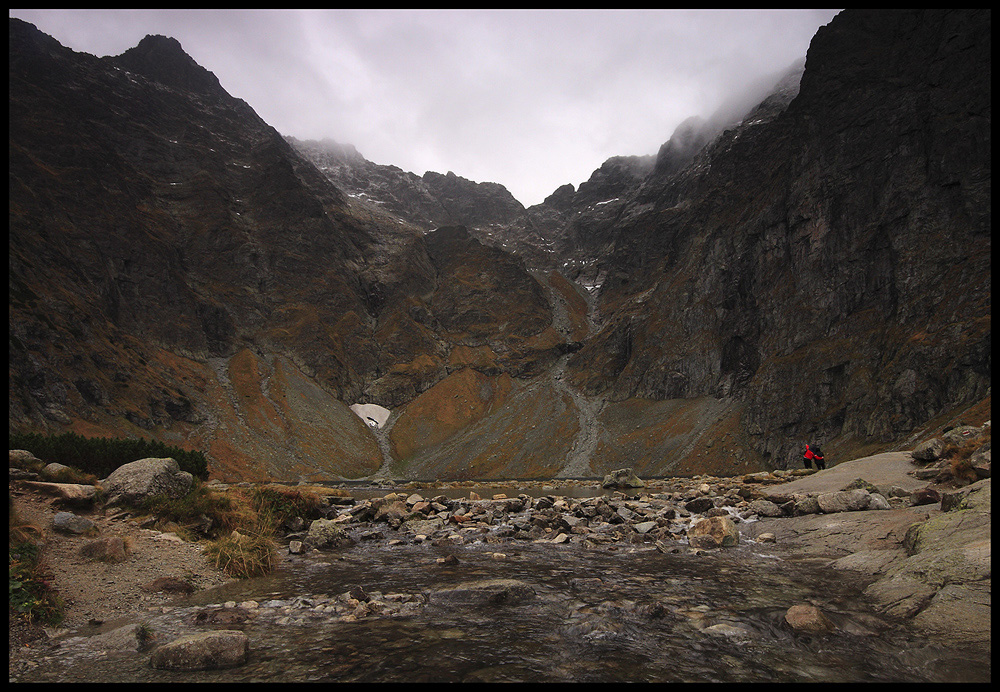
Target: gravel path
96	591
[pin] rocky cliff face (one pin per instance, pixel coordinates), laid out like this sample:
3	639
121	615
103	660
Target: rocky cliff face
818	269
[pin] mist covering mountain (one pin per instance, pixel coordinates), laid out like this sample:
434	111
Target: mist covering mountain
810	263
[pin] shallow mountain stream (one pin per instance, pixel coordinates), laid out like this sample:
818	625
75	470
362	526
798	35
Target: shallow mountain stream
626	614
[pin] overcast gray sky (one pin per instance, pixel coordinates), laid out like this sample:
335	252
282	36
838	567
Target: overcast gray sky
531	99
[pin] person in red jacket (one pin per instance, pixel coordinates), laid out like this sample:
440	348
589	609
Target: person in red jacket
807	458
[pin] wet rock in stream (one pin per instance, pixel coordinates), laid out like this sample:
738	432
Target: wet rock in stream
488	592
203	651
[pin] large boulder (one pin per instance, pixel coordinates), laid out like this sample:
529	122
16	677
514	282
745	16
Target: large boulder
844	501
981	462
424	526
961	434
203	651
108	549
132	483
55	471
806	505
808	618
713	532
22	458
486	592
327	533
765	508
929	450
973	496
394	513
67	522
133	637
925	496
622	478
68	493
699	505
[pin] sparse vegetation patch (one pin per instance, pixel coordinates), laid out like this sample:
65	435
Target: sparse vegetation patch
29	585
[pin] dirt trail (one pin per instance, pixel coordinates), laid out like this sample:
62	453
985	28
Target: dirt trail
102	591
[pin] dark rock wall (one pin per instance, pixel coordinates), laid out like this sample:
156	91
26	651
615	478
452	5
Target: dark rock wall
155	203
812	266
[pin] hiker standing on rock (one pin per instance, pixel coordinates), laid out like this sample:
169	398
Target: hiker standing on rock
814	453
818	457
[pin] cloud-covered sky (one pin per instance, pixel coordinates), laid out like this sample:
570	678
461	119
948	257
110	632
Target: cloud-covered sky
531	99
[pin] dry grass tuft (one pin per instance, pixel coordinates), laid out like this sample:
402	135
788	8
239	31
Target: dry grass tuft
959	457
243	555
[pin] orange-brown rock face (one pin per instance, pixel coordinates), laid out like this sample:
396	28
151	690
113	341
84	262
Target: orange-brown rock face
475	426
276	421
449	407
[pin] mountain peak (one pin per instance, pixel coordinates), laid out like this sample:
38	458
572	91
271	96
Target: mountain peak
689	137
161	58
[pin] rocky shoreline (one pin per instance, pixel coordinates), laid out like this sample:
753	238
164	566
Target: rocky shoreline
925	546
924	549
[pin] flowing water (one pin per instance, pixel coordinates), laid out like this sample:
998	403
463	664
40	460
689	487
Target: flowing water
627	614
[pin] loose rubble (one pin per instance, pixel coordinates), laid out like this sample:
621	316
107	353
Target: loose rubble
703	512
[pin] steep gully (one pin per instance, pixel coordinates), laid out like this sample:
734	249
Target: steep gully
588	408
385	447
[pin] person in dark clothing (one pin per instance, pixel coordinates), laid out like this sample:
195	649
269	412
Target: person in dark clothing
818	457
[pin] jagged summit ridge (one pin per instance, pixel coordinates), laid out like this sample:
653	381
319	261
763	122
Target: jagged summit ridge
569	228
163	60
425	201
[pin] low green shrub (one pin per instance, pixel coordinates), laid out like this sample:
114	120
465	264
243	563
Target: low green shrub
227	510
72	475
244	521
959	457
284	503
966	448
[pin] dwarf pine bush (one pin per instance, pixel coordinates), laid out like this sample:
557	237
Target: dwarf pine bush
102	455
